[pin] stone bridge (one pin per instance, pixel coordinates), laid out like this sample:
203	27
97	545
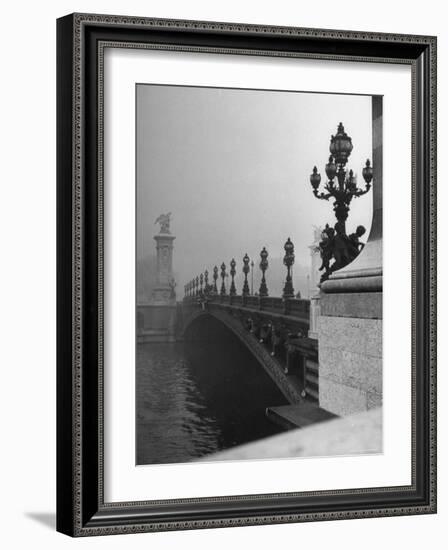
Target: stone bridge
274	330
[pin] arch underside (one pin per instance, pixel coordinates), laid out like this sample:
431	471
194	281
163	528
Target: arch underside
264	358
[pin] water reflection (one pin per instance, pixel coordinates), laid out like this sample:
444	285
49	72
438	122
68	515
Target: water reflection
196	398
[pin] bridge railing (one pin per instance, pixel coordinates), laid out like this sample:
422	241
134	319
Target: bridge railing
283	306
272	304
298	308
251	301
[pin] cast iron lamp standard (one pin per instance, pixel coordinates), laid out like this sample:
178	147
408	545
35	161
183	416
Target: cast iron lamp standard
246	270
264	264
206	286
288	260
215	278
252	278
223	276
342	187
232	274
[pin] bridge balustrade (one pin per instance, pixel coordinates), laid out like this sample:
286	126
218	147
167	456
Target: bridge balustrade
270	303
275	304
251	302
296	307
285	305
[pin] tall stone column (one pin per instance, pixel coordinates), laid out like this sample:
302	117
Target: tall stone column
350	322
163	292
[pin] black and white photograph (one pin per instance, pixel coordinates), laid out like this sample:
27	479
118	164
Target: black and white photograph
258	274
220	308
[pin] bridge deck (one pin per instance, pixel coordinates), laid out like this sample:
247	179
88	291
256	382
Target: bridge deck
298	416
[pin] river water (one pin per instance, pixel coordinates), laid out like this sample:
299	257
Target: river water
198	398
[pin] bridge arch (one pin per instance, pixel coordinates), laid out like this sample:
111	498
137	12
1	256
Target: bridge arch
251	343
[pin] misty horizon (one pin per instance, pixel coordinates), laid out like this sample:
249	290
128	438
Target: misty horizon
233	166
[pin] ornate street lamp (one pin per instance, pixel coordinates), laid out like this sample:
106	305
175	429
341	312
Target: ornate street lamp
201	282
223	276
346	188
252	278
246	270
288	260
232	274
197	285
215	278
206	287
341	187
264	264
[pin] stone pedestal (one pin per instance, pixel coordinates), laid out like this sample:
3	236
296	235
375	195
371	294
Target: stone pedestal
156	323
350	322
156	320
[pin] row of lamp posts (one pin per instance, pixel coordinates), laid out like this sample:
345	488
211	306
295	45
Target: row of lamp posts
200	285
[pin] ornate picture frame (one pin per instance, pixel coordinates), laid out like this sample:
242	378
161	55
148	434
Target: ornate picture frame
81	506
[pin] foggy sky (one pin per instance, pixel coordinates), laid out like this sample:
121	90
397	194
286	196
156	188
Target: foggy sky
233	167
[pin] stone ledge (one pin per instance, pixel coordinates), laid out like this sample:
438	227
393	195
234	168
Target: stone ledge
300	415
366	305
353	284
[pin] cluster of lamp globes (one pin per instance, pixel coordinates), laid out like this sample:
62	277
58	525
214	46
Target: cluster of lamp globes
340	148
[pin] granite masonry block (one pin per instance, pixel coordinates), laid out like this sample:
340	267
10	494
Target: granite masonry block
353	304
363	336
351	369
340	399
